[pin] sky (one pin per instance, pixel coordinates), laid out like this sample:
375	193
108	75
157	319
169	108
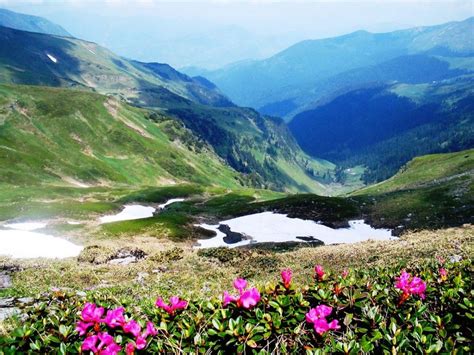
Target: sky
213	33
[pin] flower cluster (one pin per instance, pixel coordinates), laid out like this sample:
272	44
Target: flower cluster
102	342
317	317
175	304
410	286
247	298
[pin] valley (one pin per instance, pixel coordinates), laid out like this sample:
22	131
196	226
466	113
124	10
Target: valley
123	181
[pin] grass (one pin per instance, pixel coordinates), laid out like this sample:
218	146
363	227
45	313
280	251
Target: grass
189	273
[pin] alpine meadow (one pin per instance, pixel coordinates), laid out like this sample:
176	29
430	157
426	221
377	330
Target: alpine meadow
248	177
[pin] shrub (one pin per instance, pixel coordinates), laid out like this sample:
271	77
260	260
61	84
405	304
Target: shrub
382	310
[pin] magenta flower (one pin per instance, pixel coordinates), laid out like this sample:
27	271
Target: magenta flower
249	298
345	273
92	313
91	316
319	272
82	327
240	284
150	330
317	317
106	346
228	298
140	341
286	276
132	327
175	304
90	343
321	325
130	349
443	273
115	318
410	286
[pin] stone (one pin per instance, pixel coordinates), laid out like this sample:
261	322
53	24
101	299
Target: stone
123	261
5	280
7	302
8	312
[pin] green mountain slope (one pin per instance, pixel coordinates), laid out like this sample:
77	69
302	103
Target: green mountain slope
431	191
260	147
68	137
383	127
30	23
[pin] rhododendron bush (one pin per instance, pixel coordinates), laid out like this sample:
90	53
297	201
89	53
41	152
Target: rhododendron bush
386	310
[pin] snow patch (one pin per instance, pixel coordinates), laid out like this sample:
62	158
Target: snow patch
53	59
130	212
21	244
27	226
169	202
275	227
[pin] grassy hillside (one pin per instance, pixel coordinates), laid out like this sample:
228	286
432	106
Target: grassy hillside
41	59
260	147
432	191
50	135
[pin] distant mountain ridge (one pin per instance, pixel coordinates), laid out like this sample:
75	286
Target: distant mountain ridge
30	23
290	80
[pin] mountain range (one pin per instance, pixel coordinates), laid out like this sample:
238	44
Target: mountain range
367	99
365	102
259	147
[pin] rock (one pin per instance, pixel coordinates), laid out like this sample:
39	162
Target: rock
123	261
25	300
8	312
5	280
7	302
142	276
160	269
231	237
81	294
455	258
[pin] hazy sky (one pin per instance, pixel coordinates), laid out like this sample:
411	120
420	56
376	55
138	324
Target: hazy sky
214	33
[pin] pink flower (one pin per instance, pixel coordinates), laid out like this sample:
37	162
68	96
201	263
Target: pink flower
286	276
150	330
130	349
228	298
319	272
112	349
91	316
321	326
410	286
92	313
107	345
82	327
443	273
141	342
345	273
175	304
115	318
240	284
249	298
132	327
90	343
317	316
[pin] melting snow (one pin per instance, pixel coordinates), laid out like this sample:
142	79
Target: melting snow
169	202
53	59
130	212
274	227
20	242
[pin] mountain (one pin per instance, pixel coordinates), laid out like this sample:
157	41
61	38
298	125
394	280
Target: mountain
288	81
30	23
261	147
383	127
67	137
